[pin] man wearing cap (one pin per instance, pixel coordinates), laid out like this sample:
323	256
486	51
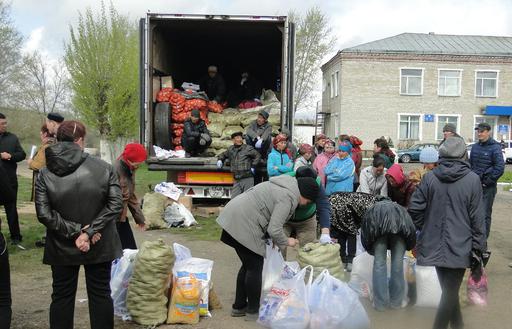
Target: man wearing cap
254	216
447	209
486	161
53	121
259	135
196	137
242	160
11	153
213	85
133	156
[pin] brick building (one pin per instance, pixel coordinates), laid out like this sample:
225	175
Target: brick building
407	87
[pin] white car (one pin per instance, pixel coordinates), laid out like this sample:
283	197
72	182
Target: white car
507	151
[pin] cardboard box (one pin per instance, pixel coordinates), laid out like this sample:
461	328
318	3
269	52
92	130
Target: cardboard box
186	200
156	87
167	82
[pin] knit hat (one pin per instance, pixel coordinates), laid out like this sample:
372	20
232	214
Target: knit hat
345	147
450	127
308	187
285	131
264	114
305	148
429	155
279	138
195	113
55	117
452	148
238	133
134	152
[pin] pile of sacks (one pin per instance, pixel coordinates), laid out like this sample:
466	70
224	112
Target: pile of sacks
159	284
292	300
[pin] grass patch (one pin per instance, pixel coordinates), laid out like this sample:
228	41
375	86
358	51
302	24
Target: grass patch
32	231
24	190
506	178
144	177
206	230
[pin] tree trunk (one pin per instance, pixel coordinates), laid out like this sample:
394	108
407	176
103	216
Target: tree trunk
111	150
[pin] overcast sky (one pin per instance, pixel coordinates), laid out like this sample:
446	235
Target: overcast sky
45	23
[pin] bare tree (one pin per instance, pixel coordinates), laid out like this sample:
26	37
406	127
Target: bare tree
39	84
10	41
314	40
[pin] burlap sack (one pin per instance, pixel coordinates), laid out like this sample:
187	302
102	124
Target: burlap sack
153	209
321	257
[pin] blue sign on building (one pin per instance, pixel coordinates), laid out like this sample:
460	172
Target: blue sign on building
503	129
429	118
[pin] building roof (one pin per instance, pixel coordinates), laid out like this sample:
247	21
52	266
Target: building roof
438	44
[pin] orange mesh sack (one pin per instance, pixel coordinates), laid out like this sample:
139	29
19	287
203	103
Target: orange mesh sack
184	305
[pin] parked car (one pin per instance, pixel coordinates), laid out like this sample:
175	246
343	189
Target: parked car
507	159
413	153
508	150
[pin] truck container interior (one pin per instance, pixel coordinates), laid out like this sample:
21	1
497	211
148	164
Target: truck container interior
184	48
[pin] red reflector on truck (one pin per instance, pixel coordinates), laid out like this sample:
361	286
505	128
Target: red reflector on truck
205	177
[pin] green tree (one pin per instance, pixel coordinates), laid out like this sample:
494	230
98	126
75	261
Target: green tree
10	41
314	40
101	58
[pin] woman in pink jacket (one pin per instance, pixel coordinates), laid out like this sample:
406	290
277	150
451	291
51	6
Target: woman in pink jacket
323	159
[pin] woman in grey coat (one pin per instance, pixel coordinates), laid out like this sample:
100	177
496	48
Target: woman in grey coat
447	208
252	217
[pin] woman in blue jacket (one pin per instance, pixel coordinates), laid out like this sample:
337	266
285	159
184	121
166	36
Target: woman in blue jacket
278	161
340	170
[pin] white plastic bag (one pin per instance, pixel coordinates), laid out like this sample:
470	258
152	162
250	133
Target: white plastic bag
273	266
286	305
177	214
181	252
121	274
334	305
201	269
359	246
428	289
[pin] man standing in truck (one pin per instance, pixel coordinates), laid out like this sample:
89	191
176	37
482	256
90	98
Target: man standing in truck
242	161
196	137
259	136
213	85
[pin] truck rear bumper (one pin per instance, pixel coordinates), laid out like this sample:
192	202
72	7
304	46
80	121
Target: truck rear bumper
209	192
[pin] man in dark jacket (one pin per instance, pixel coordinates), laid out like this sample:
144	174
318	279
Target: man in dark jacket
486	161
213	84
6	196
259	135
447	208
11	153
196	137
242	160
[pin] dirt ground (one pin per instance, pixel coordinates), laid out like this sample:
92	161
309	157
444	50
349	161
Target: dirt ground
32	286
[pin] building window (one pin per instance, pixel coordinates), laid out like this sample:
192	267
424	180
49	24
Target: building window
442	120
486	84
409	127
336	83
332	85
492	121
411	81
449	82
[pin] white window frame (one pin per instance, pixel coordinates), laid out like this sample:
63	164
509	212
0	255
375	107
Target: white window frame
458	116
420	132
497	82
332	85
336	83
494	128
422	79
439	85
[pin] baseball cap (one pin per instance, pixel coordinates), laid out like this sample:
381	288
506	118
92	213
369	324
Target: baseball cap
483	126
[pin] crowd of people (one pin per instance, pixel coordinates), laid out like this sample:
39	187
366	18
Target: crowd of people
290	195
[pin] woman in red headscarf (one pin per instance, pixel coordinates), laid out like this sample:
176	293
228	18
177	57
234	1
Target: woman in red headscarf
132	157
357	157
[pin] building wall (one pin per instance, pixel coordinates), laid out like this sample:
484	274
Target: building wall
370	102
331	105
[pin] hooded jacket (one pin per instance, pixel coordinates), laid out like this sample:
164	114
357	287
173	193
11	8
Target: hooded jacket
447	208
339	175
260	211
320	163
72	191
387	218
281	160
487	162
402	193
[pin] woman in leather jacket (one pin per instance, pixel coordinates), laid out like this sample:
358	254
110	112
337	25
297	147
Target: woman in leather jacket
78	199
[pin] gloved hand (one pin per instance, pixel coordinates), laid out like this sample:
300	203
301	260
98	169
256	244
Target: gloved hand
253	171
325	238
219	164
259	143
202	142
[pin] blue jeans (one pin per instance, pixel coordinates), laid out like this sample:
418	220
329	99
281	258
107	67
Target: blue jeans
489	193
388	294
